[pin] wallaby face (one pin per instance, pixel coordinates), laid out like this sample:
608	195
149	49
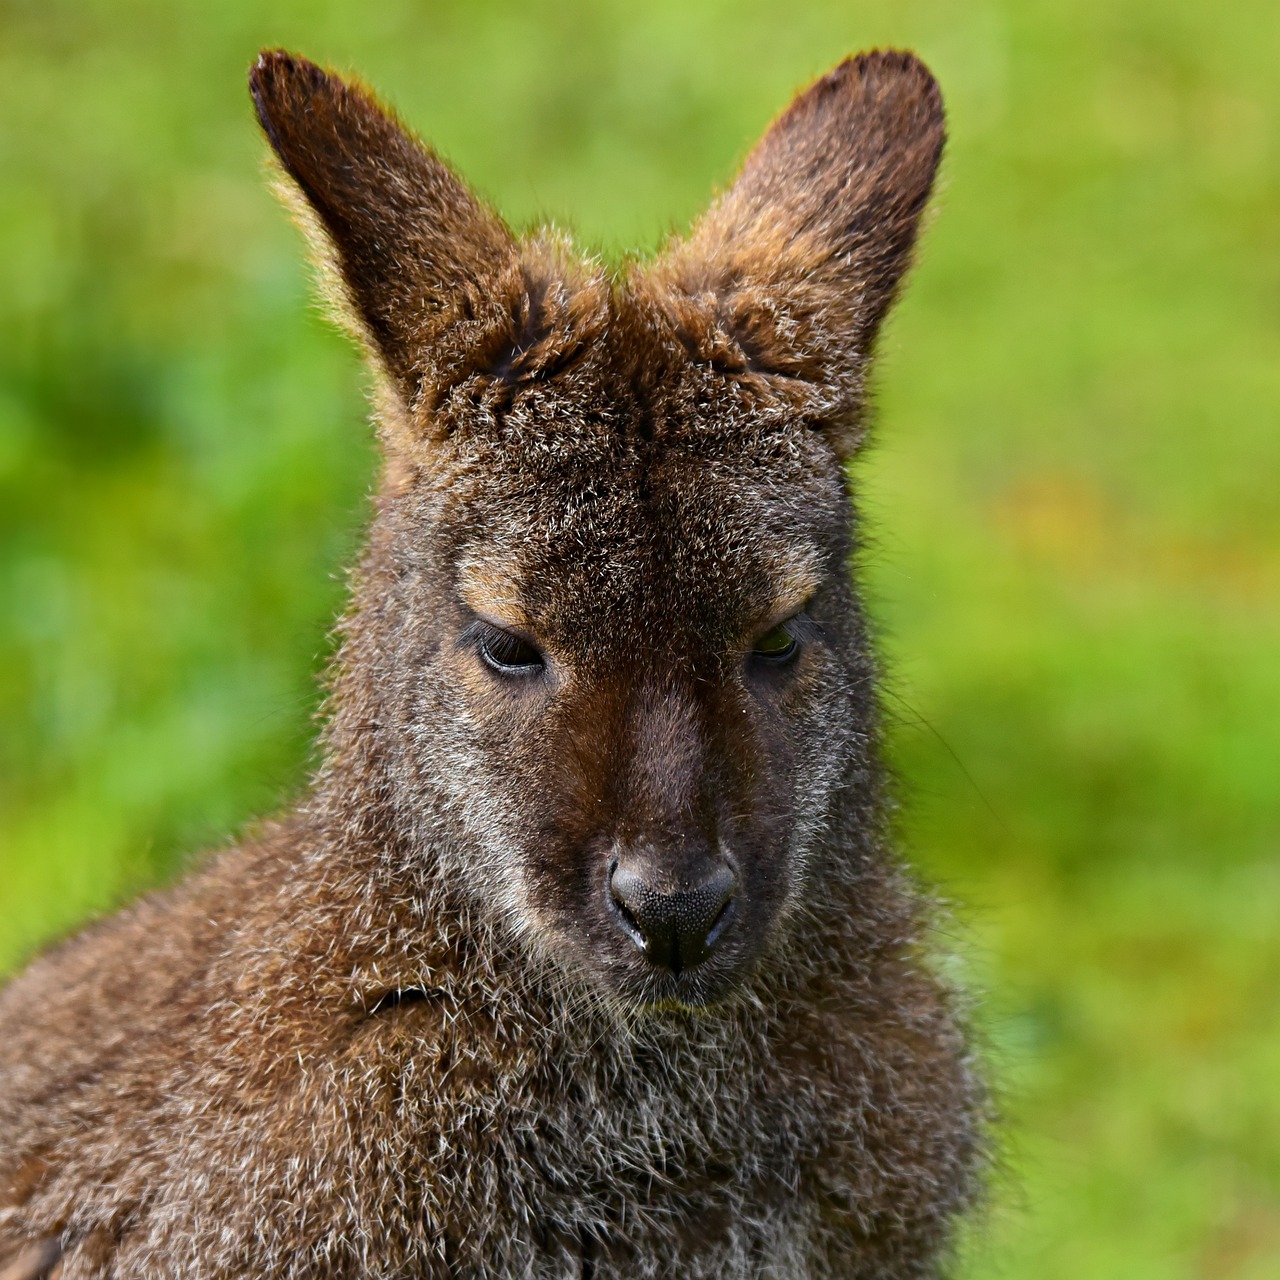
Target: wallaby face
623	646
621	636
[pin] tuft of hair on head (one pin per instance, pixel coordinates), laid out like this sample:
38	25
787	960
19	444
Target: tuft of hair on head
790	273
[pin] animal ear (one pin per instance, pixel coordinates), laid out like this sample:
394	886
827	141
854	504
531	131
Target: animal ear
792	270
424	270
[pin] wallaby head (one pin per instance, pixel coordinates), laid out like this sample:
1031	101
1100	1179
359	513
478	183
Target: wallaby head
605	635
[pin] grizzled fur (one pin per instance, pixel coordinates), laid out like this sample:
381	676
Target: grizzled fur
398	1033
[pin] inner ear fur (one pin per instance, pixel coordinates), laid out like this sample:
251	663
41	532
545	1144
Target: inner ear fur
430	278
792	270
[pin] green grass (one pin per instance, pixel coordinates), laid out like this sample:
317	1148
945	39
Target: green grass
1077	535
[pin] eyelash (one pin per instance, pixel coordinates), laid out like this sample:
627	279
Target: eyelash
507	654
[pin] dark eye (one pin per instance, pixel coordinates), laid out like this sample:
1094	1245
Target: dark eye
777	647
508	654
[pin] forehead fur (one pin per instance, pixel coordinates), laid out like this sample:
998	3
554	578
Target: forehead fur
622	468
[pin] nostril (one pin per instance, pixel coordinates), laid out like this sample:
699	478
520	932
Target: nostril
629	923
631	900
709	911
721	923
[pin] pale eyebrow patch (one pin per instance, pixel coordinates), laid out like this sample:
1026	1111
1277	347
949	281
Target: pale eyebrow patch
788	607
791	590
782	603
492	595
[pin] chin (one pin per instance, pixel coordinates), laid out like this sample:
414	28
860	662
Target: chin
704	990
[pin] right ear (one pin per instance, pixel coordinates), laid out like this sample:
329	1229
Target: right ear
791	272
428	274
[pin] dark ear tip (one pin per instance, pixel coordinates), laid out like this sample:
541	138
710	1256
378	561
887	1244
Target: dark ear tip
884	73
282	83
270	66
277	73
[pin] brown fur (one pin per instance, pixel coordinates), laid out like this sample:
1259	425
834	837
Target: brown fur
397	1033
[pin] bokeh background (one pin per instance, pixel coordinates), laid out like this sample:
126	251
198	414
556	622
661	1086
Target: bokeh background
1076	563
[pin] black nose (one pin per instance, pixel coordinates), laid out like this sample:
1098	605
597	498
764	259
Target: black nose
676	920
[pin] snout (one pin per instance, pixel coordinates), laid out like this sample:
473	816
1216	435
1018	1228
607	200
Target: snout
675	918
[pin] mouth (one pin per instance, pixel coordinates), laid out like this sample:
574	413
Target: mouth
702	989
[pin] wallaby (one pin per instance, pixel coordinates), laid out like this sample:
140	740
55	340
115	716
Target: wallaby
586	952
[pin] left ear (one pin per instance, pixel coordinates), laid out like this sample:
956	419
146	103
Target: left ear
430	278
793	269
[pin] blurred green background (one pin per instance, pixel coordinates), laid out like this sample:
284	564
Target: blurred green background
1074	493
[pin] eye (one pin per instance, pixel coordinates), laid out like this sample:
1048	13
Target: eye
508	654
777	647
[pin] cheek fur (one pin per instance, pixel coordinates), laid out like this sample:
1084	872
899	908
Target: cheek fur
479	737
